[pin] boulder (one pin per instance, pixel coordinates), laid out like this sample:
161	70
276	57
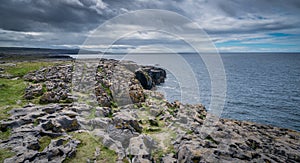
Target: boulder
149	76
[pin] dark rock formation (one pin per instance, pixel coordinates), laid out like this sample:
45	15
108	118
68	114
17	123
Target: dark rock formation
158	75
144	78
150	76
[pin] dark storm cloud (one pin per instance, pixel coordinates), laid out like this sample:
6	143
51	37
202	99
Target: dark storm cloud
84	15
69	22
51	15
64	15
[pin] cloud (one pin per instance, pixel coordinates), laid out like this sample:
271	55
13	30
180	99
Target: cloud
69	22
67	15
243	16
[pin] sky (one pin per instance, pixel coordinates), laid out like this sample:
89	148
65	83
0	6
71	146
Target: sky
231	25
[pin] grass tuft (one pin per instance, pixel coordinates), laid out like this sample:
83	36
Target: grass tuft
11	93
22	68
5	153
86	149
92	114
44	142
4	134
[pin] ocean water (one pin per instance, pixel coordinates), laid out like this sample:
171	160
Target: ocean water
261	87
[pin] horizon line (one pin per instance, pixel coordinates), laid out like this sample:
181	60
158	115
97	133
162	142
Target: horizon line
94	51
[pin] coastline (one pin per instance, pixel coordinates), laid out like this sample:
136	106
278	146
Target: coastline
147	128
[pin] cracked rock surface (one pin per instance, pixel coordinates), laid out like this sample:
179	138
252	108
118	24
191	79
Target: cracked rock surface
115	103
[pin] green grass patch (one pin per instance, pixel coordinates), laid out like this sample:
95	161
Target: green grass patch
86	149
159	153
149	130
135	106
5	135
113	104
189	132
144	105
172	110
10	92
44	89
107	90
22	68
99	69
36	122
5	153
93	114
44	142
201	116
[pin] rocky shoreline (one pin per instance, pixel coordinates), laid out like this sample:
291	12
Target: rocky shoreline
129	121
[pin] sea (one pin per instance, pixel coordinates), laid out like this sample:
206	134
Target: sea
260	87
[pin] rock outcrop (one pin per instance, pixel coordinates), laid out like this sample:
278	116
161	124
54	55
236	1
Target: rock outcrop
137	123
53	84
150	76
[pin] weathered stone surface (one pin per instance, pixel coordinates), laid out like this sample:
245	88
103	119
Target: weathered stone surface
55	152
56	81
139	125
33	90
140	146
68	124
28	124
126	121
49	97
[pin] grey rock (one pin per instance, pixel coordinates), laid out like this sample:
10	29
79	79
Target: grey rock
34	145
68	124
169	158
141	145
33	90
126	121
49	97
121	135
98	123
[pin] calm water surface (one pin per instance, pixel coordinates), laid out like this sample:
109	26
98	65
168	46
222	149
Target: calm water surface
262	88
